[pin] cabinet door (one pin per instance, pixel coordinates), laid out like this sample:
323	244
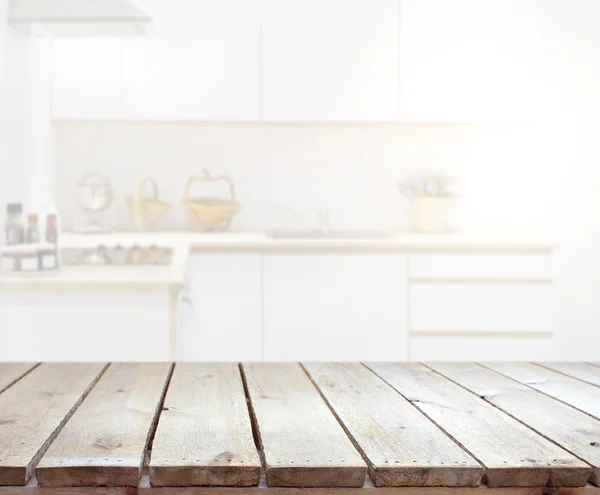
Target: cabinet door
201	63
471	60
482	347
329	60
226	320
335	307
86	78
86	326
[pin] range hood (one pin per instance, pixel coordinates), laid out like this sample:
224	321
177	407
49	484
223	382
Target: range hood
79	17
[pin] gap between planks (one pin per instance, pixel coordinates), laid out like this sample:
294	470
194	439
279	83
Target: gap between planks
19	371
120	415
486	432
559	423
398	453
22	460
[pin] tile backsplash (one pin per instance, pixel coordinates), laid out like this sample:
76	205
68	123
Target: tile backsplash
284	173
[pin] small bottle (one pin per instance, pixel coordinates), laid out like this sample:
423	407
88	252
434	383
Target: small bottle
49	255
51	229
33	230
14	228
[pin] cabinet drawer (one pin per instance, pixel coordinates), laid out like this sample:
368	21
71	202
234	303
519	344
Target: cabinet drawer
481	266
481	307
481	348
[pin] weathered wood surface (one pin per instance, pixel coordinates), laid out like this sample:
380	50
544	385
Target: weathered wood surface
368	489
34	410
572	391
512	454
204	436
401	446
572	429
10	373
104	443
327	414
303	443
582	371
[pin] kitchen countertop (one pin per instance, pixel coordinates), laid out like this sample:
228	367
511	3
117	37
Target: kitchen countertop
171	277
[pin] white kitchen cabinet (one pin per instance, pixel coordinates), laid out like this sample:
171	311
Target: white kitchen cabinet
481	307
335	307
471	60
329	60
84	326
470	347
224	322
86	78
202	63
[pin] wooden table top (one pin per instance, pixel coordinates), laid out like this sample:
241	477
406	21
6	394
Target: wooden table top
299	429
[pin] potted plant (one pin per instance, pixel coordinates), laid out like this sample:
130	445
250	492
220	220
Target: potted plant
432	202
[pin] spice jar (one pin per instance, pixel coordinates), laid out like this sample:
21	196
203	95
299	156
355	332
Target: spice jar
14	227
33	230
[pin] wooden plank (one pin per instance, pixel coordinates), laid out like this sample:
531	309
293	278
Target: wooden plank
574	392
204	436
401	446
582	371
574	430
10	373
368	489
512	454
34	410
303	443
105	441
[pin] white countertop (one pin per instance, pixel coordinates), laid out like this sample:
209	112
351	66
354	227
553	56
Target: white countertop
171	277
259	241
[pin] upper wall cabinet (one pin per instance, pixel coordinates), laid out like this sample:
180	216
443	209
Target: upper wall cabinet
86	78
471	60
329	60
201	64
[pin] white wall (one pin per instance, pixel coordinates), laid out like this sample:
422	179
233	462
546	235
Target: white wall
15	115
349	169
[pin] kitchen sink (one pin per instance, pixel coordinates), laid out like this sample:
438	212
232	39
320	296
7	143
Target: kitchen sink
331	234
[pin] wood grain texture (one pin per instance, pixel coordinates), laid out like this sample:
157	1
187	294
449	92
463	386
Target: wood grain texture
512	454
34	410
204	436
105	441
572	391
303	443
582	371
368	489
401	446
10	373
574	430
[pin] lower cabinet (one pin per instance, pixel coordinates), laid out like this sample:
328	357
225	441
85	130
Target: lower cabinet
221	311
367	306
335	307
84	326
481	307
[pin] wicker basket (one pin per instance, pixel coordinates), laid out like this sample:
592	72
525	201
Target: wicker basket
208	213
146	211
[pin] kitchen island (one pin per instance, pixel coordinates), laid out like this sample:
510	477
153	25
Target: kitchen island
310	428
244	296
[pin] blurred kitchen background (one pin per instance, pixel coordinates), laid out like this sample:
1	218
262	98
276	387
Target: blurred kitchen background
311	105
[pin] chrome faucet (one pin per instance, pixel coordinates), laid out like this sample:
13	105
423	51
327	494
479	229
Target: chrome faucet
324	225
